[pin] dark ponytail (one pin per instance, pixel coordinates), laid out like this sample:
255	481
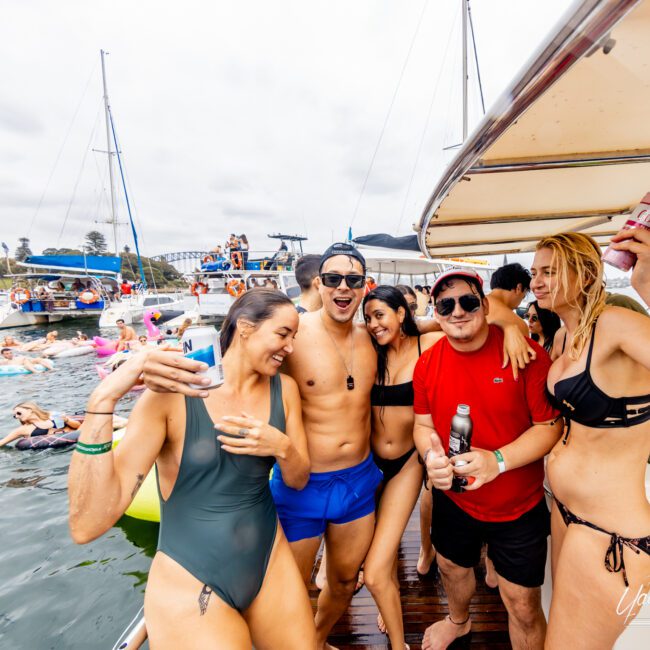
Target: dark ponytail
254	306
393	298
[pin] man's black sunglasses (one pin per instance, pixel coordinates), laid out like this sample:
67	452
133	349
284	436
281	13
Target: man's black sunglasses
468	303
333	280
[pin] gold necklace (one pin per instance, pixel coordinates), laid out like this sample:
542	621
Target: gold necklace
349	381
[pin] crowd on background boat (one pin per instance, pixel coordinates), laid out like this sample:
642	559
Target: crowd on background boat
359	415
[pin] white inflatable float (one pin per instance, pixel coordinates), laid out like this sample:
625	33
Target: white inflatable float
9	371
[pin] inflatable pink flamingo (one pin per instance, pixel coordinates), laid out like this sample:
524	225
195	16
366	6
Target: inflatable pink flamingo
153	333
104	347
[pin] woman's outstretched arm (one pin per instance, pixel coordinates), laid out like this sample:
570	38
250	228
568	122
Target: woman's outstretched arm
21	432
102	485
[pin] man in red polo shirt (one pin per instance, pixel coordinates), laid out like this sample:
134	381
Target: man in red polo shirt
514	426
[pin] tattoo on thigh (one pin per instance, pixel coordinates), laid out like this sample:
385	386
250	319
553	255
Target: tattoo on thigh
204	598
138	483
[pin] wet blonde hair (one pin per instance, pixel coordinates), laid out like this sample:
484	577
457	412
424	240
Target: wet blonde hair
35	408
581	254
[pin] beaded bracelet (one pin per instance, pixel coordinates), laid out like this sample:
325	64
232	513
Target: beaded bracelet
94	450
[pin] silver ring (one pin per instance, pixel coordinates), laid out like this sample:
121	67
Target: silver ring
244	432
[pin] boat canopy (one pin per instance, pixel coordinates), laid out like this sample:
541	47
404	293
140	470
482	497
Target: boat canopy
565	148
383	240
404	262
90	264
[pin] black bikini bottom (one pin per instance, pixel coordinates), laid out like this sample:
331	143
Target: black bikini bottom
614	561
391	467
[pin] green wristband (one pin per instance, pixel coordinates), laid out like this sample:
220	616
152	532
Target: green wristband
94	449
500	462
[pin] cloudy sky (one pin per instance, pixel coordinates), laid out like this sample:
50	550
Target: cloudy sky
245	116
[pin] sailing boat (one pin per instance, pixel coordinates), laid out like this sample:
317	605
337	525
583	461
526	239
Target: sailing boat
129	308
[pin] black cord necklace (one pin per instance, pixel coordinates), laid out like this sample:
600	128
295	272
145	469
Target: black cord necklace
349	381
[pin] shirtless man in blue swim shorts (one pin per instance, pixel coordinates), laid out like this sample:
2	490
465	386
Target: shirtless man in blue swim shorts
334	364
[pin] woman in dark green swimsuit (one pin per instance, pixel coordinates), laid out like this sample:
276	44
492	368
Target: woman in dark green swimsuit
224	576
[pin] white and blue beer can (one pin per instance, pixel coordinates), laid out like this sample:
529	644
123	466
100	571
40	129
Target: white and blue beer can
202	344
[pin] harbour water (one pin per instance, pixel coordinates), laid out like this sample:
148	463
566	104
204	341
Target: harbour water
53	593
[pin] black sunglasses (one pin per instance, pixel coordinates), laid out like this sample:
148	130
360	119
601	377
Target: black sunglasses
468	303
18	414
533	318
333	280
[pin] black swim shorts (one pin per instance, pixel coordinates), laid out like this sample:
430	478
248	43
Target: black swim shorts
518	548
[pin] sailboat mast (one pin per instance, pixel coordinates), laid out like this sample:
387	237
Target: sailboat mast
464	8
110	153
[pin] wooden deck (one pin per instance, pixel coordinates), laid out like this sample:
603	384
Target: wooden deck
423	603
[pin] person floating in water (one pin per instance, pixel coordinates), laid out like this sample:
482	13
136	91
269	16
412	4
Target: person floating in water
9	359
35	421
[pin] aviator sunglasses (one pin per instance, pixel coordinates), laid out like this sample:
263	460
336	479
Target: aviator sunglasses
352	280
468	303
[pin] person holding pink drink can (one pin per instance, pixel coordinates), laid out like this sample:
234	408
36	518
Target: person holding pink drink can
636	241
624	258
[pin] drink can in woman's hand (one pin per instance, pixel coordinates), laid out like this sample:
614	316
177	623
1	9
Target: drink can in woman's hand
640	218
202	344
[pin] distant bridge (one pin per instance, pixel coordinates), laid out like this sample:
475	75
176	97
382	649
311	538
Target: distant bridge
189	261
184	261
170	258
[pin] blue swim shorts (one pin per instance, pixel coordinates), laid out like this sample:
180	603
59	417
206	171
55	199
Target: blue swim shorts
329	497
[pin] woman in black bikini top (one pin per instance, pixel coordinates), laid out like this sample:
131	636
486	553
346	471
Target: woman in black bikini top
398	343
35	421
601	514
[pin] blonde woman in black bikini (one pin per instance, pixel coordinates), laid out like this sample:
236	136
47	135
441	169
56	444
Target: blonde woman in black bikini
601	383
398	343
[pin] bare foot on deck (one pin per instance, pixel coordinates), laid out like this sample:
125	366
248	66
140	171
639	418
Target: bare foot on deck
490	574
442	634
425	560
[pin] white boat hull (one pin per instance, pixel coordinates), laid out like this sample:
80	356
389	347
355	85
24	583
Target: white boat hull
12	317
132	310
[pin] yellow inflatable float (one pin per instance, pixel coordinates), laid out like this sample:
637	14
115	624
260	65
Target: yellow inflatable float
146	504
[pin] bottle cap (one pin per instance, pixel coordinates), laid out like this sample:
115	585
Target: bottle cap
463	409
